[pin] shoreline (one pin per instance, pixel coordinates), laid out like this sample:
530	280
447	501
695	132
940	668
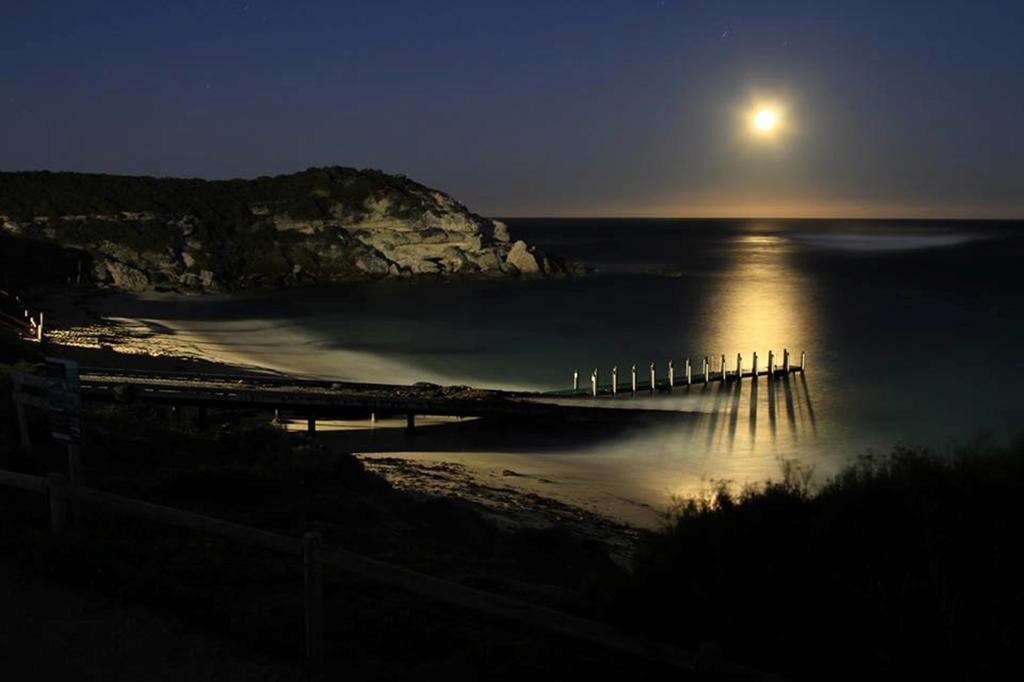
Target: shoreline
442	461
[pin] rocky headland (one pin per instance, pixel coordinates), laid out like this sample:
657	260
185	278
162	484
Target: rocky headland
319	226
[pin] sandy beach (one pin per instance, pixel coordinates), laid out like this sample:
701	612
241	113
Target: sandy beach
516	476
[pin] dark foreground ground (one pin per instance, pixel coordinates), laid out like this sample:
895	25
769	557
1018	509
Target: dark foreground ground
52	632
906	565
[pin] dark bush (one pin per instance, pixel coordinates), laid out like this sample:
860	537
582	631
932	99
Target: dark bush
902	566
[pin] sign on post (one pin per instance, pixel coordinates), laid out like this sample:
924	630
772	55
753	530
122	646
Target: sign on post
63	398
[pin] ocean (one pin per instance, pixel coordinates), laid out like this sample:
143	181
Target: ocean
913	333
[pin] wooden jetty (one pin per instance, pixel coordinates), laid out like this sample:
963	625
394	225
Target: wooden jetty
711	372
315	399
322	399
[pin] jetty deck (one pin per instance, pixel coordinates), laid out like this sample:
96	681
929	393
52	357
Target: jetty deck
326	399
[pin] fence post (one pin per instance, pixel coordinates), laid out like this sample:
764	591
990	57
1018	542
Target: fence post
654	377
803	360
671	375
75	480
707	370
313	580
575	380
785	360
615	380
723	368
771	363
58	489
739	366
26	438
689	372
634	379
754	370
593	383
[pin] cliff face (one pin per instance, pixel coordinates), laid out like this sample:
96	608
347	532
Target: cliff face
318	226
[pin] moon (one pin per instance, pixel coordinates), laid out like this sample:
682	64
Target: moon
765	120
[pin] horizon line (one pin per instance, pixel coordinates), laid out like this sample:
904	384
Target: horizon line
719	217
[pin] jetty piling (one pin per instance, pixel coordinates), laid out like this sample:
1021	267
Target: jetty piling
721	372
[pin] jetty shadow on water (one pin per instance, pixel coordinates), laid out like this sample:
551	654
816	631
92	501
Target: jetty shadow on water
753	408
786	398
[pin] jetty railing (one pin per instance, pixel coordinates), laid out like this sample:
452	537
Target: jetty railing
711	371
64	496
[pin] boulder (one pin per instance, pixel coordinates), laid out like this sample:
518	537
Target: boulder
500	232
126	277
485	261
373	265
522	259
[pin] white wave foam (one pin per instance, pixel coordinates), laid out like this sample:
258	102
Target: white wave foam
884	242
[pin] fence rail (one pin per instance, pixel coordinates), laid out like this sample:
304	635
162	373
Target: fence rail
315	556
34	484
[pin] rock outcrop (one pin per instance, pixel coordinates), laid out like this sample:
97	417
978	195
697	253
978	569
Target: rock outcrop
322	225
522	259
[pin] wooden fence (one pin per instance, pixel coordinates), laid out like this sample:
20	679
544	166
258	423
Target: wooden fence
63	496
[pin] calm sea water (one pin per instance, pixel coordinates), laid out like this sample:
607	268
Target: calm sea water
913	333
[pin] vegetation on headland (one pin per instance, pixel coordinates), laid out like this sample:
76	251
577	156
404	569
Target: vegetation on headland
904	565
320	225
221	204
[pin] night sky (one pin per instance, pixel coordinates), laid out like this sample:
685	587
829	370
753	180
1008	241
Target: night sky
638	107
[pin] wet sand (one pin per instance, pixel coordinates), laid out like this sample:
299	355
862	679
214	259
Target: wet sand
512	469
